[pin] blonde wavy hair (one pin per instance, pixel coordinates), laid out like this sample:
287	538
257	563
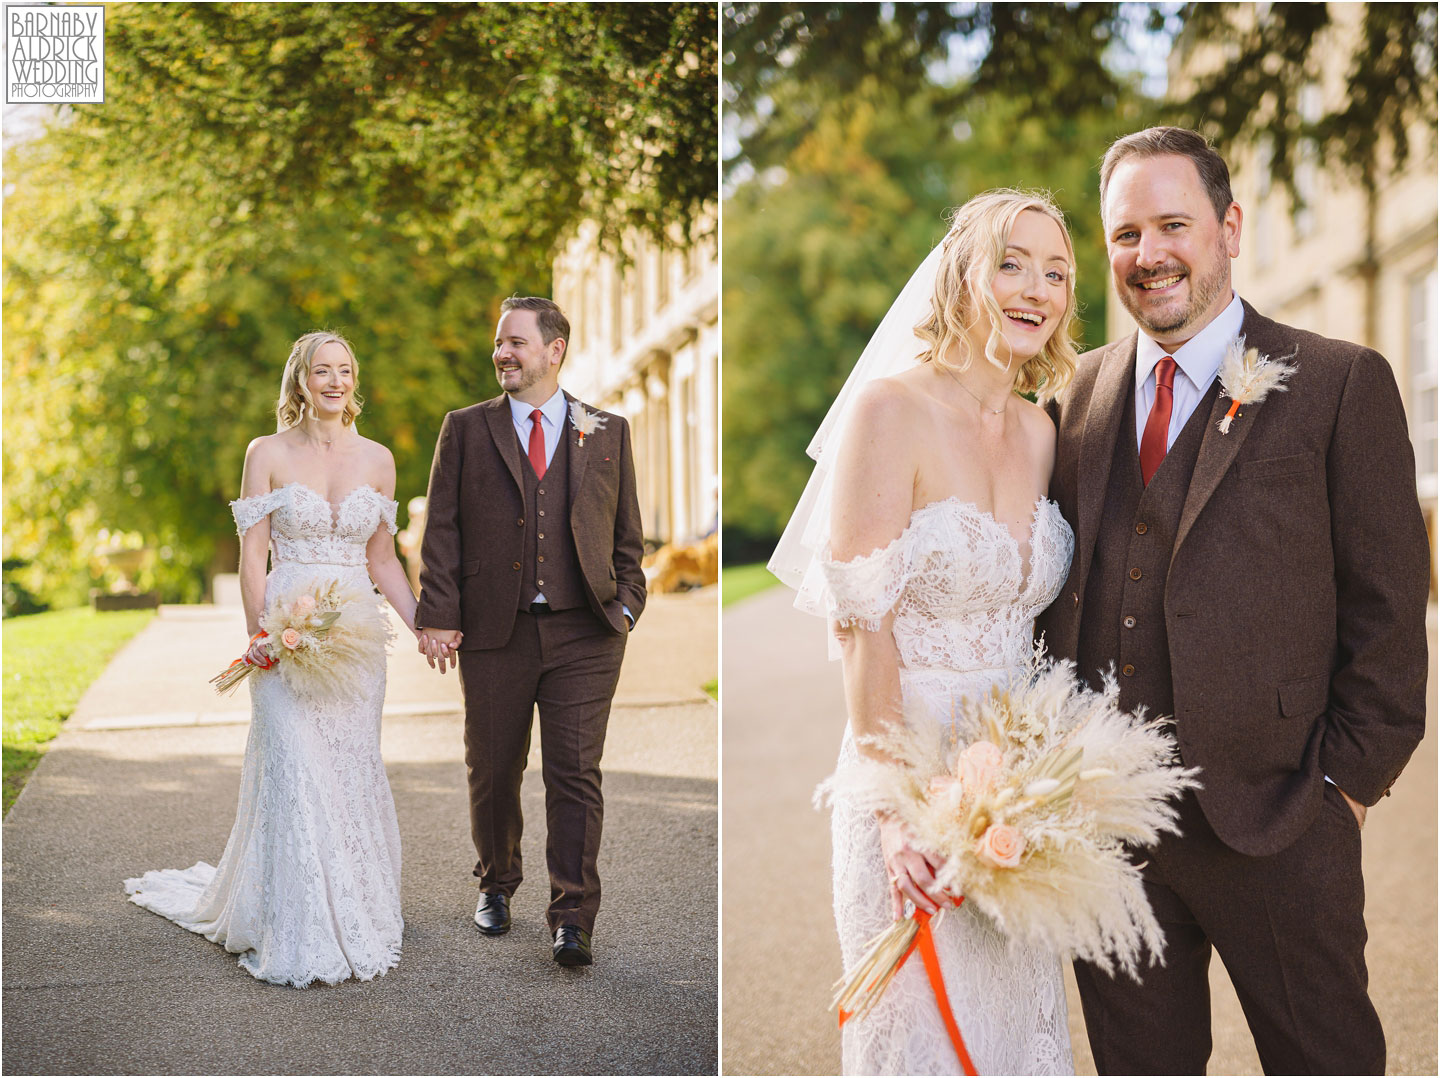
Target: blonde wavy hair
295	398
971	254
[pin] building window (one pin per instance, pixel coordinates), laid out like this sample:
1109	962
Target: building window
1423	378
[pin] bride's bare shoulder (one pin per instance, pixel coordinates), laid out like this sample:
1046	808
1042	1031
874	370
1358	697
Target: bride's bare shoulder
1038	422
377	453
379	465
1039	429
266	451
892	404
262	458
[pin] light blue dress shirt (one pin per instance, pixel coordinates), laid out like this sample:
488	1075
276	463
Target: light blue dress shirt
1197	363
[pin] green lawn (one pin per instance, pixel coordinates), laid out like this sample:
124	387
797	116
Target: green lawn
49	661
740	581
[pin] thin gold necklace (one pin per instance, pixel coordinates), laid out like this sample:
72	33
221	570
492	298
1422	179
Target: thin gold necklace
967	389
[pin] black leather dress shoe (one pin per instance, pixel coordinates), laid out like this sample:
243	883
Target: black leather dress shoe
572	946
492	915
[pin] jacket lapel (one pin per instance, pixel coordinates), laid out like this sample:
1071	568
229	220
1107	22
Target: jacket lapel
1218	451
579	457
1097	443
502	430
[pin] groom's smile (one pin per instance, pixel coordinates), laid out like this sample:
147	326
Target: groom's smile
523	360
1169	252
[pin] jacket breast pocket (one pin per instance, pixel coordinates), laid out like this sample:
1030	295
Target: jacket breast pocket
1305	698
1275	467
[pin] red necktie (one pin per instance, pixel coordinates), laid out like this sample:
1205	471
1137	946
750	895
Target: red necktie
1157	427
537	444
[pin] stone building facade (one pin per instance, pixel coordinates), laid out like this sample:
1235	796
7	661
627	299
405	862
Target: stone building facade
645	344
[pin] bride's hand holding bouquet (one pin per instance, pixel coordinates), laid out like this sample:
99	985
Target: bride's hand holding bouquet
1032	823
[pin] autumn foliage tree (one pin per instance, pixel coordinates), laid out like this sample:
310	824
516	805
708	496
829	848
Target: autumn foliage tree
390	171
854	126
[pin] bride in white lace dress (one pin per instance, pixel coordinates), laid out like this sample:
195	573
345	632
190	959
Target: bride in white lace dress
308	888
936	553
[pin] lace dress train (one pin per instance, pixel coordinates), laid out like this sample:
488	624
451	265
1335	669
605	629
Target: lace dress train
964	608
308	887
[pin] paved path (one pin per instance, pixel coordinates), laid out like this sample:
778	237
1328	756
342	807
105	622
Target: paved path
145	776
784	714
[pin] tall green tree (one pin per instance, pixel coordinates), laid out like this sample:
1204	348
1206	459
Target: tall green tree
784	62
491	126
980	95
390	171
1060	60
816	249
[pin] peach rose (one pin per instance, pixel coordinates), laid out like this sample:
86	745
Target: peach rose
979	765
1001	845
304	606
290	638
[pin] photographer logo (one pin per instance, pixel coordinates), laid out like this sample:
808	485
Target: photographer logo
54	54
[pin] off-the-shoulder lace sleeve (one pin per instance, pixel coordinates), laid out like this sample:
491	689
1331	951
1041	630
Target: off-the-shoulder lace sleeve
388	508
863	590
250	511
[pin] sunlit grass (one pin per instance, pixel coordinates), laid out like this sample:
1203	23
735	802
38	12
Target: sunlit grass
50	660
741	581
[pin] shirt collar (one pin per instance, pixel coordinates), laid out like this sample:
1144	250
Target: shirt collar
553	410
1200	356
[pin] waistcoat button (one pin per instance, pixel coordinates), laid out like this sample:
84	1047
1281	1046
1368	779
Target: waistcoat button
1135	573
1141	528
1128	670
1129	623
515	566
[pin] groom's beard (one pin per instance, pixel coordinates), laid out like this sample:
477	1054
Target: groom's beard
1203	292
527	377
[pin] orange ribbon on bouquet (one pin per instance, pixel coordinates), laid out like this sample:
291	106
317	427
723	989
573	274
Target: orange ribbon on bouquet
244	660
924	941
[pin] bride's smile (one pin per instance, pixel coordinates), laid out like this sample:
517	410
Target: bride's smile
332	380
1030	288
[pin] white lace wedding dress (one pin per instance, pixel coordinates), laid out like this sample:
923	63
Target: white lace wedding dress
964	604
308	888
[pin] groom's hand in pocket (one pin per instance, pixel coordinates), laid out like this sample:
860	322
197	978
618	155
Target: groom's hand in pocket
1358	809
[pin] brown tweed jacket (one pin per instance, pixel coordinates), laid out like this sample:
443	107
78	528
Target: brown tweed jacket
475	522
1296	590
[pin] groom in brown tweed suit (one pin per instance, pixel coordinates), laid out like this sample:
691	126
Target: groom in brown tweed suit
531	571
1267	588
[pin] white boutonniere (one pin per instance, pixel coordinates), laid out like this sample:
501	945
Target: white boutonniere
1248	377
584	422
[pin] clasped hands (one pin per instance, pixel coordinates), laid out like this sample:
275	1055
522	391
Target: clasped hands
912	873
438	645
